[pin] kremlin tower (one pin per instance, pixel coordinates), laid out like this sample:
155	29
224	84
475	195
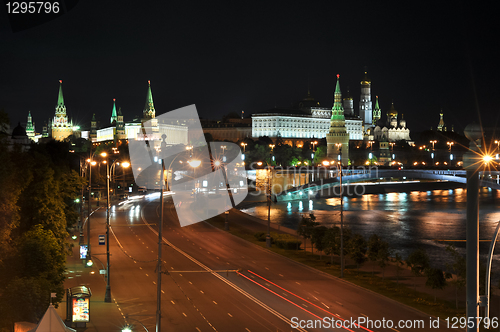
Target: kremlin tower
337	138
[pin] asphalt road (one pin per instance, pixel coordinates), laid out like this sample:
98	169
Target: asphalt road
219	282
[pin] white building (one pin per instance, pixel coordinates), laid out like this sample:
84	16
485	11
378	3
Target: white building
312	122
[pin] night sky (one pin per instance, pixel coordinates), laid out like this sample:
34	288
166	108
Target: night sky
253	56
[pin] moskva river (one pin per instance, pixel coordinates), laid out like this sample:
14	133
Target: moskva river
407	220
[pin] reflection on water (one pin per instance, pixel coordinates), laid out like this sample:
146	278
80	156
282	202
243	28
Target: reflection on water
405	220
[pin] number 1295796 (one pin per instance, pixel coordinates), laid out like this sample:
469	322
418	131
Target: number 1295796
33	7
464	322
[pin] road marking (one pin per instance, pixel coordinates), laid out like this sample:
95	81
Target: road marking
190	283
152	251
254	262
267	268
172	267
228	263
316	292
214	302
247	329
315	298
147	247
180	274
242	256
162	291
140	268
280	275
154	282
339	303
184	314
201	292
208	252
325	305
217	257
147	275
304	305
364	315
227	282
135	262
298	283
229	314
172	301
394	329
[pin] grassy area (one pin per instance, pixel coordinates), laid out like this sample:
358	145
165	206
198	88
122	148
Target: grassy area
386	287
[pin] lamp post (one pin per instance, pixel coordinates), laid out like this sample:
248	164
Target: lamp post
339	156
268	236
107	295
90	163
341	219
472	164
244	145
450	144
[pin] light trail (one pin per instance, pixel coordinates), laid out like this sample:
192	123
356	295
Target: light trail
295	304
286	290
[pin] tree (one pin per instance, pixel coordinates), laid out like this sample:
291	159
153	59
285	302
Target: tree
399	261
436	279
331	243
458	269
418	261
383	255
374	243
319	155
357	249
317	238
305	228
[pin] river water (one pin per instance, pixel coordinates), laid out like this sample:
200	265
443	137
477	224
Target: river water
407	220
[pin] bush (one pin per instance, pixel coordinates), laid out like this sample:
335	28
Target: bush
286	241
260	236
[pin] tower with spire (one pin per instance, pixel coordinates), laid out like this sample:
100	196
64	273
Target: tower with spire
392	116
120	125
112	120
60	126
337	139
93	129
441	125
30	127
365	102
149	109
377	113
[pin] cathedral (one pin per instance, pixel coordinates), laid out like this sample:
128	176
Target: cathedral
392	129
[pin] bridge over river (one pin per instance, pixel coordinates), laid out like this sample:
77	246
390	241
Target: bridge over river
297	183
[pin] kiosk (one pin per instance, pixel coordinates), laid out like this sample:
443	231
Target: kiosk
78	305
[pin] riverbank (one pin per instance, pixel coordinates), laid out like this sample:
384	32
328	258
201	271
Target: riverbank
256	197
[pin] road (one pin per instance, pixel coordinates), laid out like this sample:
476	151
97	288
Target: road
219	282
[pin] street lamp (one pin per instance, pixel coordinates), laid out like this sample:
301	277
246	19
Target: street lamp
107	295
339	147
244	145
341	217
268	236
450	145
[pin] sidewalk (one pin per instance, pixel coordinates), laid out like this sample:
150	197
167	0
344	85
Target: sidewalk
103	316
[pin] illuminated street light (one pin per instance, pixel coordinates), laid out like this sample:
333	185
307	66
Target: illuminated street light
433	142
243	144
194	163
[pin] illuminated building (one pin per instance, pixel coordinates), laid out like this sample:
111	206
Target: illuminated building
337	137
